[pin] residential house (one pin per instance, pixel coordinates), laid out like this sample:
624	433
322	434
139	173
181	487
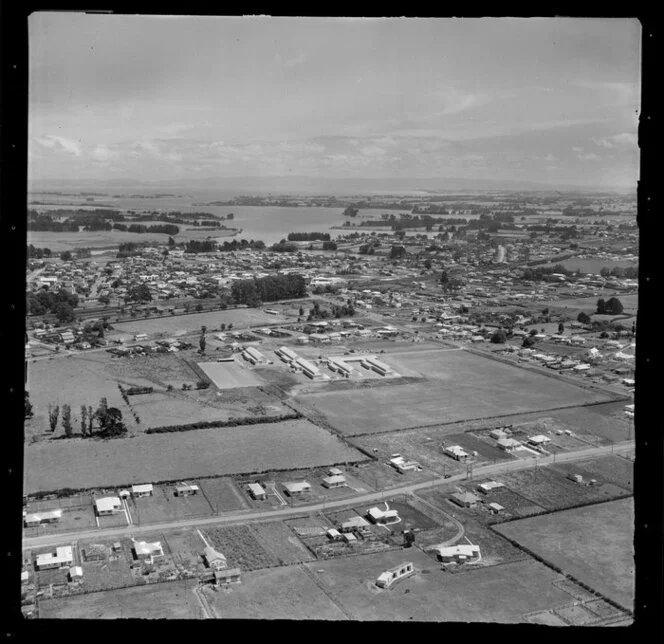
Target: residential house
297	488
257	491
387	578
61	558
108	505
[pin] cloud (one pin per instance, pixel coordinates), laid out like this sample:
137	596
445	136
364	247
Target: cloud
577	149
550	157
52	141
591	156
104	153
617	140
296	60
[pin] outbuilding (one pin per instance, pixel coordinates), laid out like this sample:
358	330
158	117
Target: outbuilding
227	576
457	554
214	559
488	486
186	489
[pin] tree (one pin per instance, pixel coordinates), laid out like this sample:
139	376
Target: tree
301	311
91	417
66	256
499	337
66	420
171	242
53	413
112	424
614	306
28	406
101	412
528	341
223	326
202	341
64	312
230	326
601	306
139	293
561	328
199	307
583	317
84	420
104	299
427	264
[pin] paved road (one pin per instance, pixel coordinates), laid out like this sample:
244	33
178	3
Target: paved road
244	516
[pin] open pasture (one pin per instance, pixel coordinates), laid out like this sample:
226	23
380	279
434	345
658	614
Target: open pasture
500	594
166	457
163	505
458	386
172	600
594	544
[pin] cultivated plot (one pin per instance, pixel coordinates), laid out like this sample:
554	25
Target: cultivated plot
165	457
594	544
459	386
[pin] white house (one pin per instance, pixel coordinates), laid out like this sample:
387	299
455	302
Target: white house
62	557
257	491
334	481
458	554
488	486
297	488
402	465
148	551
186	489
539	441
214	559
51	516
354	523
509	444
140	491
108	505
457	452
383	517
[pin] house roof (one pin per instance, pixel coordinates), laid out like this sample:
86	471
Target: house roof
145	548
108	503
146	487
62	555
297	485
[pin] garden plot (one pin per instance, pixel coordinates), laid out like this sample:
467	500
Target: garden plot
240	547
545	487
278	539
616	469
222	495
458	386
594	544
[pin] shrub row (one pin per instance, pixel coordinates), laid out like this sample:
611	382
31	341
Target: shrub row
231	422
135	391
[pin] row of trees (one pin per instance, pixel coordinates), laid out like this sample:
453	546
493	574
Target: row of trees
166	229
106	420
612	306
308	237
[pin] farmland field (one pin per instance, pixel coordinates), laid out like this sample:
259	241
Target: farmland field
166	457
459	386
173	600
499	594
239	318
593	265
222	494
594	544
278	539
589	304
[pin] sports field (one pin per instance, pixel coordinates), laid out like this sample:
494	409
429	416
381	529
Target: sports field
593	544
458	386
229	375
166	457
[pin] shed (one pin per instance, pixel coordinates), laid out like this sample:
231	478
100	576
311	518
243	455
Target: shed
333	534
488	486
186	489
349	537
228	576
75	572
496	508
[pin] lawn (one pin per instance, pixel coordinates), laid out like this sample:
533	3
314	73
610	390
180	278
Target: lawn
241	547
167	457
593	544
163	505
459	386
180	324
278	593
173	600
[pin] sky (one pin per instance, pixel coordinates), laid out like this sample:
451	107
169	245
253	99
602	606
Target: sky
153	98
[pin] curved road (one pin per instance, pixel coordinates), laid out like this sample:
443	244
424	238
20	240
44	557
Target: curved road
244	516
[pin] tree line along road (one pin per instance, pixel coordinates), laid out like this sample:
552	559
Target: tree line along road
245	516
